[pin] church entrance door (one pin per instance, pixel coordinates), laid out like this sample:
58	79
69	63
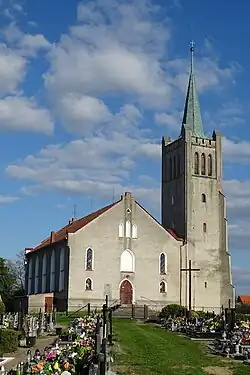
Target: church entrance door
126	293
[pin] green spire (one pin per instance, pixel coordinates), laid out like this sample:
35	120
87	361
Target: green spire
192	114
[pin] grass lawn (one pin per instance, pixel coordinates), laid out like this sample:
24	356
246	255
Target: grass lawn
145	349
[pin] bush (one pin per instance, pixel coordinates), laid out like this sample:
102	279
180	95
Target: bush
173	310
8	341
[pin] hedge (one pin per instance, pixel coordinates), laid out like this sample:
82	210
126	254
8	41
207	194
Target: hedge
8	341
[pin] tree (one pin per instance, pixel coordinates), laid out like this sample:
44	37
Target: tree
7	281
17	270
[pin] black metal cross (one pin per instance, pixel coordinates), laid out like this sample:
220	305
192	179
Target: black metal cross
190	270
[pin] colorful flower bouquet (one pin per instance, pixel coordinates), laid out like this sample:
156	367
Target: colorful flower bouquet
74	357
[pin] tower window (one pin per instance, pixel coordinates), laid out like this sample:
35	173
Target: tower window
210	165
203	198
172	200
196	163
162	264
204	227
205	284
203	164
170	169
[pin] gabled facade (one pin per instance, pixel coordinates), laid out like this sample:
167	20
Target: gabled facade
123	252
194	205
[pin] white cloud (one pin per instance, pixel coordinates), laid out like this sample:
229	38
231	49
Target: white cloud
236	151
171	120
80	113
119	50
25	44
5	199
12	70
23	114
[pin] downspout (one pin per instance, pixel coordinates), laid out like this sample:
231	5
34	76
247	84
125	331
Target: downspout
181	246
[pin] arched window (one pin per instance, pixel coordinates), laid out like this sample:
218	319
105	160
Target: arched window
203	164
178	165
170	168
30	275
196	163
128	229
52	271
37	275
89	259
203	198
163	287
127	263
134	231
205	284
209	165
204	227
88	284
44	273
174	167
121	230
162	264
61	275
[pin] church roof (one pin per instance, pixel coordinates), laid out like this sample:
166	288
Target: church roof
244	299
75	225
72	227
192	115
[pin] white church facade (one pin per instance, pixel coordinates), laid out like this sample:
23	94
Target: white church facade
123	252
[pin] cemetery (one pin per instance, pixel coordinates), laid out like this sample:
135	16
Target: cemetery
98	343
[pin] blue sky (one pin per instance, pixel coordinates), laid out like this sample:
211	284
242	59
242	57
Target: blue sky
87	89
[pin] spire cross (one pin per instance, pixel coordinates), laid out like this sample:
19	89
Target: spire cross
192	44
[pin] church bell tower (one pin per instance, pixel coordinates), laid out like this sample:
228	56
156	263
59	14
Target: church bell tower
193	205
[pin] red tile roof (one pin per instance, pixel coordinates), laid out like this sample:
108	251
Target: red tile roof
72	227
244	299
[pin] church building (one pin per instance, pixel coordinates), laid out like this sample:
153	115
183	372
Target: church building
125	253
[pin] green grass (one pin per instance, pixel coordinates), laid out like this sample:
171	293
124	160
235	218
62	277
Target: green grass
144	349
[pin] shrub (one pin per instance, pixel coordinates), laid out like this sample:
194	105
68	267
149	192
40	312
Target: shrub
8	341
173	310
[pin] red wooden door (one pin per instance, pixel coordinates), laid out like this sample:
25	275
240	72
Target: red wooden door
126	293
48	304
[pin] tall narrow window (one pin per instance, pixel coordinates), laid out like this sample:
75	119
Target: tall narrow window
196	163
30	275
174	167
210	165
89	260
163	288
44	273
37	275
203	198
61	275
52	271
178	165
88	284
203	164
162	264
128	229
134	231
204	227
170	168
121	230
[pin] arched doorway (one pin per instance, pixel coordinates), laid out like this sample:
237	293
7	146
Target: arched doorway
126	293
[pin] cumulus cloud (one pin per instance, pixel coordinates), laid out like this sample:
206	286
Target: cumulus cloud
119	50
25	44
12	70
19	113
